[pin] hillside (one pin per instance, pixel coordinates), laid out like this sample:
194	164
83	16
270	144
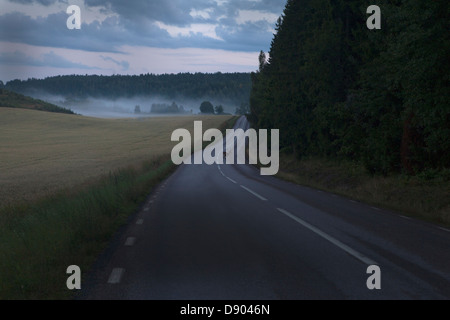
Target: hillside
9	99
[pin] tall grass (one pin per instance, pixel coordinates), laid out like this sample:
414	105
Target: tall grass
39	240
426	196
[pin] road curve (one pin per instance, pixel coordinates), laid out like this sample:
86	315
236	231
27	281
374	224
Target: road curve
226	232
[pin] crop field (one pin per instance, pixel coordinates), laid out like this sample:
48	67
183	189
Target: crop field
41	152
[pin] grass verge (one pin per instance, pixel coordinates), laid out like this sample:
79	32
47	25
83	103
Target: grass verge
425	196
39	240
229	124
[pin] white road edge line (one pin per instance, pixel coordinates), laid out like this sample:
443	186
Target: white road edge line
375	208
130	242
334	241
443	229
254	193
232	180
116	276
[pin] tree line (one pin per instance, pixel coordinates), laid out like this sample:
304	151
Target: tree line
232	87
339	90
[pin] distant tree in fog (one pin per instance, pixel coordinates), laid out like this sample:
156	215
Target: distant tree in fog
207	107
219	110
173	108
137	109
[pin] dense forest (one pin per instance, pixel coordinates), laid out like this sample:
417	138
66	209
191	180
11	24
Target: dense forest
232	87
341	91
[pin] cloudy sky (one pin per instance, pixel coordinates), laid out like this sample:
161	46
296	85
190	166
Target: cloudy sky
134	36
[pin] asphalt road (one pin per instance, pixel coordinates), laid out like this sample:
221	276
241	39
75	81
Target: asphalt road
226	232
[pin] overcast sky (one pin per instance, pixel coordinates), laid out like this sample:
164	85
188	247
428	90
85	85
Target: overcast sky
134	36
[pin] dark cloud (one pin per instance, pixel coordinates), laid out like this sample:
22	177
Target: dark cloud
247	37
43	2
133	23
46	60
124	64
177	12
172	12
106	36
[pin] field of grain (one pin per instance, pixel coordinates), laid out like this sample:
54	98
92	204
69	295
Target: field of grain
42	152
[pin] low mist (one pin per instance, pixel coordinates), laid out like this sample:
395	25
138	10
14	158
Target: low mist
129	107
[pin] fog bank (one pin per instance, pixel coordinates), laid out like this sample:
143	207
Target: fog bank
126	107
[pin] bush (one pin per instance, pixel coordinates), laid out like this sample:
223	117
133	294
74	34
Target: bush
207	107
219	110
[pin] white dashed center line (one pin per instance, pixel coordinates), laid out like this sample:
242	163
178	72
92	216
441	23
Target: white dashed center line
232	180
140	222
116	276
130	242
329	238
254	193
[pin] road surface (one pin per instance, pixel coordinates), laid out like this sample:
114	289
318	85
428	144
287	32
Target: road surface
226	232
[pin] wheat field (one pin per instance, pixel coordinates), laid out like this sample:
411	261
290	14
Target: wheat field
41	152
